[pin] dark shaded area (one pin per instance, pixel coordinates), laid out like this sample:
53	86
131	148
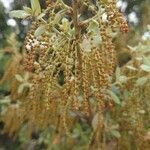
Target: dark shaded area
7	143
4	28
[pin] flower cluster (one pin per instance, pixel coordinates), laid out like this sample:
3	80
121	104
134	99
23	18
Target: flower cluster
71	63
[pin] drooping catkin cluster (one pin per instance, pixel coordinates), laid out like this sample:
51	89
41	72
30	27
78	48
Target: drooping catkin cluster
71	64
134	116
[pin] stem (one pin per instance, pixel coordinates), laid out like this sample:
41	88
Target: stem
75	19
77	46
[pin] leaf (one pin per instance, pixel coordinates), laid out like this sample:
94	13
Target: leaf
59	16
20	88
26	76
36	8
27	9
96	40
4	101
40	30
123	79
86	45
146	61
93	25
65	25
142	112
131	68
116	126
115	97
19	14
145	68
131	48
95	122
139	58
116	133
41	16
118	72
141	81
19	78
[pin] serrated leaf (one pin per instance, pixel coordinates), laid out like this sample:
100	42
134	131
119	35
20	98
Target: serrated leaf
40	30
36	8
19	78
114	97
19	14
145	68
141	81
116	133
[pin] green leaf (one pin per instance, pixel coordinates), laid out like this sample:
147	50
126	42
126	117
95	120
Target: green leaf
36	8
41	16
27	9
40	30
115	97
146	61
131	48
116	133
118	73
59	16
65	25
4	101
26	76
20	88
19	78
123	79
142	112
116	126
19	14
131	68
93	25
145	68
95	121
86	45
141	81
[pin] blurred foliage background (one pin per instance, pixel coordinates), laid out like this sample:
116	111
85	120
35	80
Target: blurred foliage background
12	34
